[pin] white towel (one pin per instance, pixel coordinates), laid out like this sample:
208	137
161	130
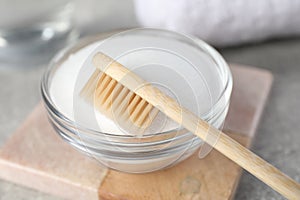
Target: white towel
223	23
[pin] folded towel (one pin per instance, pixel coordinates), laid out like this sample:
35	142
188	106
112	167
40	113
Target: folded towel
223	23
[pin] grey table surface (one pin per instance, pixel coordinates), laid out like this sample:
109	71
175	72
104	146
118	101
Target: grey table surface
278	139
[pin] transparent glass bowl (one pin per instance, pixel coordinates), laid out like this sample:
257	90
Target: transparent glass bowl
150	152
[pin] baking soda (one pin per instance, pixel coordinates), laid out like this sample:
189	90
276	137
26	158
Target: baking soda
177	68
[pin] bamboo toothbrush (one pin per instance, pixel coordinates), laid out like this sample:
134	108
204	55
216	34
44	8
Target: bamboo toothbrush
119	91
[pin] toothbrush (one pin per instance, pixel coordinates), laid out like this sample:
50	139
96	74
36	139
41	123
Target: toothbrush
134	103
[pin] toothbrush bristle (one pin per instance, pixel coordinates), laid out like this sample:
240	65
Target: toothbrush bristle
123	106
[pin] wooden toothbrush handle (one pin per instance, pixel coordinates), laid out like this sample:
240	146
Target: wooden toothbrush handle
223	143
256	165
230	148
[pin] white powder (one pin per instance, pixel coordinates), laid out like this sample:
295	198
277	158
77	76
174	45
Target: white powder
154	65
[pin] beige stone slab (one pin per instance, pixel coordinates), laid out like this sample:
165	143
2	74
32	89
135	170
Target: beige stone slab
36	157
250	92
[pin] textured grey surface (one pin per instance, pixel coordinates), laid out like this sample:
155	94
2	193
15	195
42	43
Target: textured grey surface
278	138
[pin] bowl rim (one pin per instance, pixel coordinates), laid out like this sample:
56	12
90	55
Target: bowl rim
63	54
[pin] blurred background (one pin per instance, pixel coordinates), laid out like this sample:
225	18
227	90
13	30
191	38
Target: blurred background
264	34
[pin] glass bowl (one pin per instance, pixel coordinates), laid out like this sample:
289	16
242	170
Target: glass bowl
154	150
